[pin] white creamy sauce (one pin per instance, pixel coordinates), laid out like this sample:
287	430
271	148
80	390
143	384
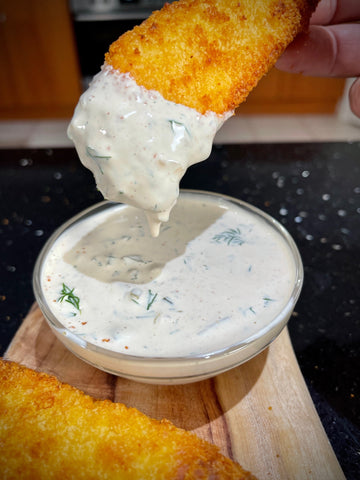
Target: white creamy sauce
137	144
216	275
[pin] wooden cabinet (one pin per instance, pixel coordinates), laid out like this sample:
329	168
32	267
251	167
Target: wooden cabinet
281	92
39	75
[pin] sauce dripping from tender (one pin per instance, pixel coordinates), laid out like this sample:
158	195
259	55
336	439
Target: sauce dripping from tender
137	144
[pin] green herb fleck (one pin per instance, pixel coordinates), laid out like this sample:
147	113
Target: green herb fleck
177	127
173	332
230	237
267	301
67	294
92	153
135	295
212	325
151	299
167	299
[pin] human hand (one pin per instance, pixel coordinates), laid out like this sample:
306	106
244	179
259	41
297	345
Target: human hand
331	47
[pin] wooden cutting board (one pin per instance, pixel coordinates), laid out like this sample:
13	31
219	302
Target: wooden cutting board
260	414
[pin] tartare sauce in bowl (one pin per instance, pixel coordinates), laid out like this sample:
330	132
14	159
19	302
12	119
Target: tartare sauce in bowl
211	291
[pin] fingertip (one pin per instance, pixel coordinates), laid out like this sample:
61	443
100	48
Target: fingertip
292	58
354	97
324	12
311	53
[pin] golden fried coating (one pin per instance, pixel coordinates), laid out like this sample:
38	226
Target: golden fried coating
50	430
210	54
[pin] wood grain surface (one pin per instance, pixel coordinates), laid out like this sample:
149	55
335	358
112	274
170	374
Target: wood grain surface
259	414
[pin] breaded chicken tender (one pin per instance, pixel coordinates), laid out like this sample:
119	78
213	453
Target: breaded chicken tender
209	55
50	430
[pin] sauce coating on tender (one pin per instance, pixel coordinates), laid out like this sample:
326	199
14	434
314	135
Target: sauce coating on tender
137	144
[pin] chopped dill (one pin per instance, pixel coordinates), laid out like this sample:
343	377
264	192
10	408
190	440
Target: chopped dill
151	299
167	299
135	258
173	332
67	294
177	127
94	155
267	300
206	328
135	295
230	237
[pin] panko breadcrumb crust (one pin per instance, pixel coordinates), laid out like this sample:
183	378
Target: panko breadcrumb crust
209	55
50	430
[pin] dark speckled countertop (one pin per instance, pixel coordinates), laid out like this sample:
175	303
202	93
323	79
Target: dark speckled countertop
313	189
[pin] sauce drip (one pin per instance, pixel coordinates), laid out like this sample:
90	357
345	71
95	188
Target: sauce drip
137	144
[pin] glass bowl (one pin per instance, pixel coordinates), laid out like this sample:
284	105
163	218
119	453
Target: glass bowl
205	339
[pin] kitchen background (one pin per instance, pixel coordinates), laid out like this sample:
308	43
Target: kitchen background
50	51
